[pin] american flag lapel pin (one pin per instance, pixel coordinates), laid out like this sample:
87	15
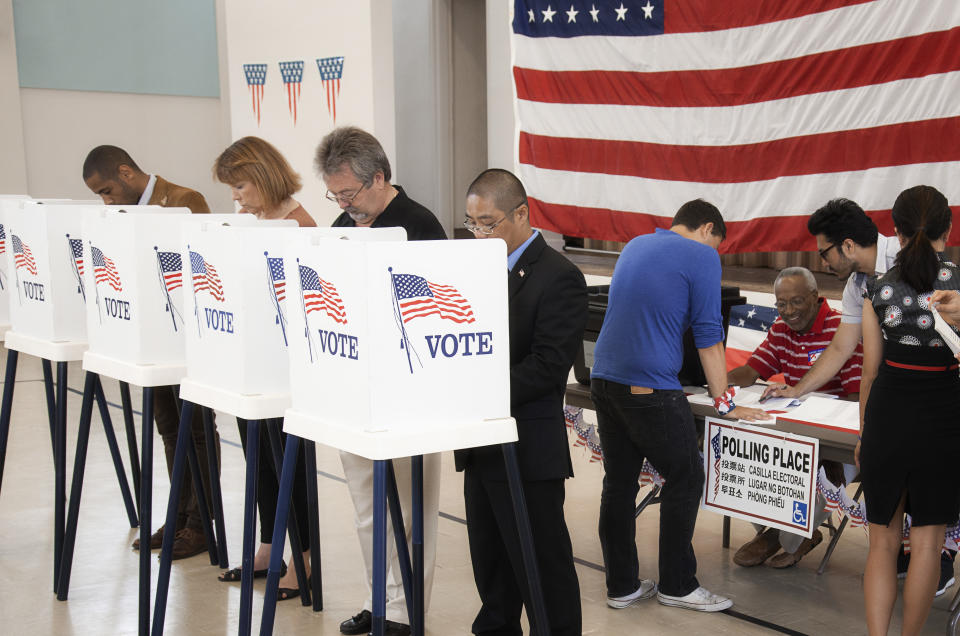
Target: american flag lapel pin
521	273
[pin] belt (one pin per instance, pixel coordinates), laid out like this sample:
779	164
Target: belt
918	367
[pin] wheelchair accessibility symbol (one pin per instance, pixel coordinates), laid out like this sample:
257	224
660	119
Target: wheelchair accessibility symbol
800	513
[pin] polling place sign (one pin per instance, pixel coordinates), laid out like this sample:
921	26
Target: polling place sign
760	475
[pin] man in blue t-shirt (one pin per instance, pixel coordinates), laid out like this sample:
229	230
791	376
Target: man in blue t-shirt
664	283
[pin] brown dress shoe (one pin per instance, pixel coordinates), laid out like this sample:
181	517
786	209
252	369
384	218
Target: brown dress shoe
188	542
759	549
156	540
788	559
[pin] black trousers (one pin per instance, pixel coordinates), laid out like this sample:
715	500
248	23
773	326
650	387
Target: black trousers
658	426
166	413
268	487
498	563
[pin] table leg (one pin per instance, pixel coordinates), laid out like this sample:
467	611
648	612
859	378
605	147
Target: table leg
131	438
114	451
213	463
79	463
539	620
400	538
250	528
378	621
284	492
51	400
146	509
836	536
184	442
9	381
313	508
60	472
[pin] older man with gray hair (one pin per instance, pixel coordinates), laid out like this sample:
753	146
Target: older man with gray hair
356	171
794	342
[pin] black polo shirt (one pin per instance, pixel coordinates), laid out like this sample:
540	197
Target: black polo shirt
402	211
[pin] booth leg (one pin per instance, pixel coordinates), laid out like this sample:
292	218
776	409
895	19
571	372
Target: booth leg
131	438
201	495
284	492
313	509
250	529
60	471
400	538
539	620
213	464
296	544
146	509
114	450
378	621
51	401
62	585
416	474
9	380
184	443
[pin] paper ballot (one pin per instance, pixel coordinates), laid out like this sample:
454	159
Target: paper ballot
839	415
946	331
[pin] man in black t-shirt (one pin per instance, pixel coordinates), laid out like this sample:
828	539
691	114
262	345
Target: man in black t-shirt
356	171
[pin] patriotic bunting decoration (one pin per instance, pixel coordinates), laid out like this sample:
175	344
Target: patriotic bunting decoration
331	70
627	110
292	75
256	75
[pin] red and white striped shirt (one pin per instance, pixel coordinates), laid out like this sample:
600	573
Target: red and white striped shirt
792	354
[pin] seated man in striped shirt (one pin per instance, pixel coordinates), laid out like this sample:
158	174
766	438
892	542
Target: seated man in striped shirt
804	329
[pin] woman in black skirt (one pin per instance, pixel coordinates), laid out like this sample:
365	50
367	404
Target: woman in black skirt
909	405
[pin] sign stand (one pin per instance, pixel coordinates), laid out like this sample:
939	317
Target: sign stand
401	334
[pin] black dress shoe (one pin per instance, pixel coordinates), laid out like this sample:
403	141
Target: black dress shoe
395	629
359	624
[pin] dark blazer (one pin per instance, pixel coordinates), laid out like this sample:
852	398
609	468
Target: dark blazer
548	311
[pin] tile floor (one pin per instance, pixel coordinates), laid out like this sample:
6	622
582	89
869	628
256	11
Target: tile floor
103	593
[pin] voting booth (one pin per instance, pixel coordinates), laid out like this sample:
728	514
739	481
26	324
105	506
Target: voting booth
5	200
390	344
134	285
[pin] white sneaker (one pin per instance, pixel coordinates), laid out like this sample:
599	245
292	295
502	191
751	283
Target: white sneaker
647	589
701	599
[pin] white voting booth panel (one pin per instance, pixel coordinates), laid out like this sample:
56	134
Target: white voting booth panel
5	280
400	348
46	297
135	307
237	358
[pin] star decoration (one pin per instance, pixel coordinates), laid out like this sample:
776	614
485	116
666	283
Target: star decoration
572	14
752	312
530	13
647	10
742	322
621	13
594	12
548	14
763	327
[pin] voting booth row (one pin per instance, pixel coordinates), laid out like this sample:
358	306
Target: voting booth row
349	337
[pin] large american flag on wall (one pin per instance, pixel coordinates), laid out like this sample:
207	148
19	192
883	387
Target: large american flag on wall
766	108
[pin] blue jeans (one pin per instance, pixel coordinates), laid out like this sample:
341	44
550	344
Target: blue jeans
657	426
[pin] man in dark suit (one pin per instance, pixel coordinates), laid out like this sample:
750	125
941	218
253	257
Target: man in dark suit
114	176
548	311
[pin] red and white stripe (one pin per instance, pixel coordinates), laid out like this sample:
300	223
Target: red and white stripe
765	109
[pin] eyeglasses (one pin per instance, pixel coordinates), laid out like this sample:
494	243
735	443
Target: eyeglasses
487	230
823	252
793	303
344	198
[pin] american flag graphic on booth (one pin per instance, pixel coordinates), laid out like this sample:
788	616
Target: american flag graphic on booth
319	295
278	277
292	75
766	109
22	256
256	75
76	248
171	266
419	297
715	443
104	269
331	71
3	240
205	277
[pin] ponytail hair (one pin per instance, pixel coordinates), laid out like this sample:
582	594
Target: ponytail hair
921	215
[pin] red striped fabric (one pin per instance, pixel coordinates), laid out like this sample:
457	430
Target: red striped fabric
766	109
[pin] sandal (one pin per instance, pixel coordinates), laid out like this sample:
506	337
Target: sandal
235	575
287	593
